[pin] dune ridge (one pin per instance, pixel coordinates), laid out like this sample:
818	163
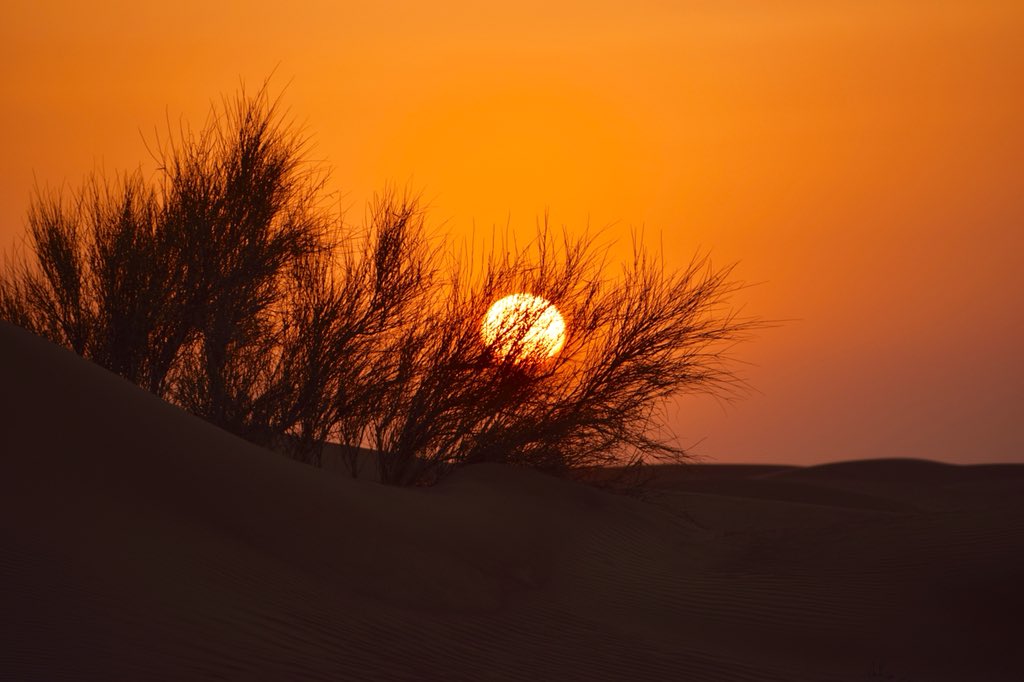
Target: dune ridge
141	543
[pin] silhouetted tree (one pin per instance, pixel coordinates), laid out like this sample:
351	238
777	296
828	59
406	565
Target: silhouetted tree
347	305
230	288
242	214
182	287
633	342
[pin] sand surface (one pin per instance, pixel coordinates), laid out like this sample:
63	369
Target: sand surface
139	543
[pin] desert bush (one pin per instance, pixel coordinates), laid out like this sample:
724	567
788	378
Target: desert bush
95	283
184	285
347	307
230	287
242	216
634	340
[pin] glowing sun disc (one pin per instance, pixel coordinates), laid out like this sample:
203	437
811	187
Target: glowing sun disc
526	325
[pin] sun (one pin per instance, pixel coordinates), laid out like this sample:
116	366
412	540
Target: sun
525	326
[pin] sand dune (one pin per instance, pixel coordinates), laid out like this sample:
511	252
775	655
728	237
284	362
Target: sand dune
141	543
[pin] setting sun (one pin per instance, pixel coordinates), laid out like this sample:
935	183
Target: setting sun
524	325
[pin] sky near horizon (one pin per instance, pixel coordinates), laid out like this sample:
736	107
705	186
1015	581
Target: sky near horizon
862	161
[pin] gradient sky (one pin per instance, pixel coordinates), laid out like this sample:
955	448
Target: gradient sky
863	160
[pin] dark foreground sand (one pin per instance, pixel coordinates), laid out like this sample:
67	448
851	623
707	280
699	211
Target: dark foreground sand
139	543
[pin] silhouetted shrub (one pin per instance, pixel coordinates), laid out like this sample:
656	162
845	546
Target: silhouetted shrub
633	341
230	288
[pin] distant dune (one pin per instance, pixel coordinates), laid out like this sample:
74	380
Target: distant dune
139	543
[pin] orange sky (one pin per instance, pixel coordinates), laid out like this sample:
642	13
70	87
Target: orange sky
862	159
